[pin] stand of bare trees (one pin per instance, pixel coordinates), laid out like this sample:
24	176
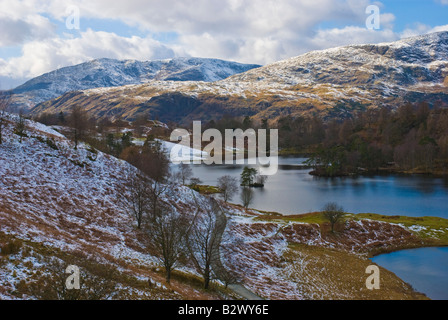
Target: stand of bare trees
174	236
78	121
228	186
5	103
203	240
167	230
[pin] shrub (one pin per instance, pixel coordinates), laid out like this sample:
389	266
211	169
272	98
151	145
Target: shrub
11	247
333	213
51	143
97	282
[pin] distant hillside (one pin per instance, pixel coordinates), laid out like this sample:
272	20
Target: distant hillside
331	83
114	73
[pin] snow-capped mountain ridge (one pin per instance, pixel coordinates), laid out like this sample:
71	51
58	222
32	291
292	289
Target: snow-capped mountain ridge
332	83
113	73
405	62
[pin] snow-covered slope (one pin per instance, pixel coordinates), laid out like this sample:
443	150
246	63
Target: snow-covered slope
71	201
422	59
113	73
58	201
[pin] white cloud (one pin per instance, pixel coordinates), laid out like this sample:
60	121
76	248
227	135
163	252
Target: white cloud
420	28
223	17
19	22
357	35
250	31
439	28
39	57
285	32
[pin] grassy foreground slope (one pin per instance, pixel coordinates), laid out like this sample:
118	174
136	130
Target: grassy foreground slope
299	258
60	206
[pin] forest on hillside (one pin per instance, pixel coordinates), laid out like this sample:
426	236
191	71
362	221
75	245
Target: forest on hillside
412	138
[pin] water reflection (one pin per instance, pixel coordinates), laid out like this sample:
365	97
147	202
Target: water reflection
293	190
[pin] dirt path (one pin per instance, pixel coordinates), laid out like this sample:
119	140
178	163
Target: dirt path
221	223
244	292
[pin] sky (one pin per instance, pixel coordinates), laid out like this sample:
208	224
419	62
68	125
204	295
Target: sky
38	36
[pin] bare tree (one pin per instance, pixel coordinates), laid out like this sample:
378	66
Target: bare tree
155	191
228	186
78	121
5	103
247	196
184	173
137	195
260	180
226	275
194	182
203	240
167	230
20	127
333	213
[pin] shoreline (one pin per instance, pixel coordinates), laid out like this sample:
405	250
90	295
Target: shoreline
402	221
436	174
383	170
307	235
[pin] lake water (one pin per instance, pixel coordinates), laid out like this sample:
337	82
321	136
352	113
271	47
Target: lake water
294	191
425	269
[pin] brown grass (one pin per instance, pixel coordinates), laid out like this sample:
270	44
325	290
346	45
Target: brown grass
328	274
320	264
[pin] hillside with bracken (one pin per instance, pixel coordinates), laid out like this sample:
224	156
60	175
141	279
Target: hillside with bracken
67	205
62	206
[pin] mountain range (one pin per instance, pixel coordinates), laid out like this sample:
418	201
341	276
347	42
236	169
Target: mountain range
113	73
330	83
